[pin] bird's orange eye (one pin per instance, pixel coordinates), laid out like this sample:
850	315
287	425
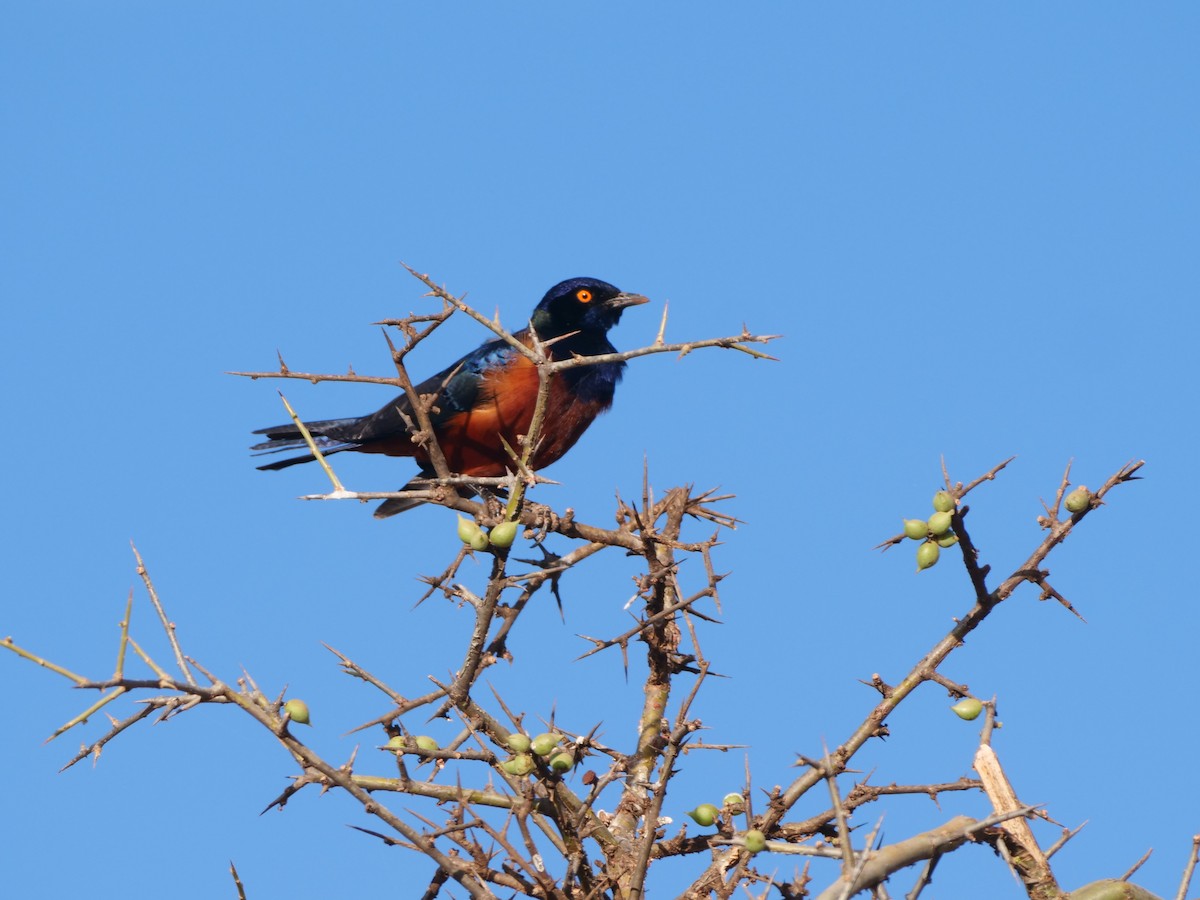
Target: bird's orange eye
583	295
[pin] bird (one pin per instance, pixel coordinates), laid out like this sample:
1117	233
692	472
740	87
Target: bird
488	396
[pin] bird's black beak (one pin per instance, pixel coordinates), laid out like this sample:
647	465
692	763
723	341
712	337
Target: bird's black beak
623	300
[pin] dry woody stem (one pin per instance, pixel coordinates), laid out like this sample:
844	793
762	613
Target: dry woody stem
591	816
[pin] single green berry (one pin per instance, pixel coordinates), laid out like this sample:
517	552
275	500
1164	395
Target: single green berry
915	529
732	800
425	742
704	814
297	711
503	534
949	539
1078	500
967	708
943	501
467	529
927	555
939	523
544	744
518	743
562	761
520	765
396	742
756	841
471	534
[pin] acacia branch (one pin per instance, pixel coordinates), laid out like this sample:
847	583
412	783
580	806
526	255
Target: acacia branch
923	670
881	864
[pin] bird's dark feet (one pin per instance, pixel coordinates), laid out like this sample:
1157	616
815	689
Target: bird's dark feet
494	503
545	520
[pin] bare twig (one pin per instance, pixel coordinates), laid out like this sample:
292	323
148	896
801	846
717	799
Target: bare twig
312	446
902	854
168	625
1137	865
1189	869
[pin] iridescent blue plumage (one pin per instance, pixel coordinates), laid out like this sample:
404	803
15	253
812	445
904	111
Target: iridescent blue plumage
486	398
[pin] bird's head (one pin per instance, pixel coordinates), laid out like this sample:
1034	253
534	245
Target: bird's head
581	304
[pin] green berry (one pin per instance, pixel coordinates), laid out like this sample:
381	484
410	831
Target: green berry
425	742
939	523
562	761
520	765
927	555
915	529
949	539
471	534
1078	500
297	711
732	800
967	708
504	534
518	743
396	742
467	529
544	744
756	841
943	501
704	814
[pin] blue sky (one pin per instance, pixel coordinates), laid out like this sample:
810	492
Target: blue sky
976	227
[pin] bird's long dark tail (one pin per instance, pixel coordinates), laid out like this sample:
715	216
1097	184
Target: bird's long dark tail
326	436
390	508
288	437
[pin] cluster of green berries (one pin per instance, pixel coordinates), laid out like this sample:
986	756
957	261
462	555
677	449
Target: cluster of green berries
934	532
545	745
399	743
707	813
476	538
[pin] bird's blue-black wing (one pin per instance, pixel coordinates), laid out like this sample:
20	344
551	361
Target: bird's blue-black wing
456	389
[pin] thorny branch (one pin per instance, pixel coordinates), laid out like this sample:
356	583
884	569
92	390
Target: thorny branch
630	839
925	670
506	808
